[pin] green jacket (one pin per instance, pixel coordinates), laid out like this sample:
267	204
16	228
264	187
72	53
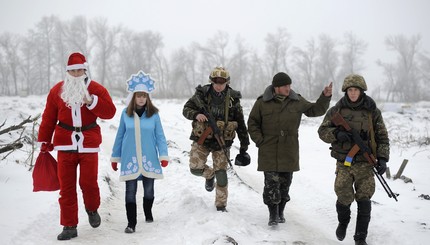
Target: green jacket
357	116
205	97
274	127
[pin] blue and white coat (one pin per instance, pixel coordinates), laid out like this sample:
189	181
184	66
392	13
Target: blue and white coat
139	146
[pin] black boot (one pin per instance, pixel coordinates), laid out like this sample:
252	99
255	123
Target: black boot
94	218
273	214
131	211
343	216
68	233
281	207
147	209
363	219
210	184
221	208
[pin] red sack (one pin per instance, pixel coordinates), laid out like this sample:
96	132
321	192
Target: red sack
45	176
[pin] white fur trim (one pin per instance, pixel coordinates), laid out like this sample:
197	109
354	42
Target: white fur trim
128	99
95	101
76	67
161	158
115	159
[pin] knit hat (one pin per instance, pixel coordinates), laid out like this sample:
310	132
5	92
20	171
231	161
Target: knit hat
281	79
76	61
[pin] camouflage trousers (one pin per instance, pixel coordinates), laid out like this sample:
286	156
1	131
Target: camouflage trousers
355	182
276	187
198	162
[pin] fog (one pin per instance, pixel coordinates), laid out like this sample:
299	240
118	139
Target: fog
181	23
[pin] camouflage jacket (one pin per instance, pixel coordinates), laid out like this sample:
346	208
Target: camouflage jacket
357	115
274	127
206	97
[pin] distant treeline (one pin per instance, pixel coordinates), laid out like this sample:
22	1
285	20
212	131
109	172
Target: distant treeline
34	62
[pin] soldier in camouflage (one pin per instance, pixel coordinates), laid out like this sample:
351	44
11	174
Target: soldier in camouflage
223	103
355	179
273	125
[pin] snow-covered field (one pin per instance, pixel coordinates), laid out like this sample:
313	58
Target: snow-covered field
184	212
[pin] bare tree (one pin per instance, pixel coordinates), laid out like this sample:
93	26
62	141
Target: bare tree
258	79
27	52
305	62
328	64
76	36
405	71
215	53
44	30
239	67
9	44
277	46
352	56
141	51
5	77
425	76
105	40
183	75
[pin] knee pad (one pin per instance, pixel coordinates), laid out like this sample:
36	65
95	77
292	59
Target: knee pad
221	178
197	172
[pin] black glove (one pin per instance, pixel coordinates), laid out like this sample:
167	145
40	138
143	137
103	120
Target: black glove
243	158
381	166
343	136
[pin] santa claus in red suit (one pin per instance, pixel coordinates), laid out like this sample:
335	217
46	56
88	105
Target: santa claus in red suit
69	121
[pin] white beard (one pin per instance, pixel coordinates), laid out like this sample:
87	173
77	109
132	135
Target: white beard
74	90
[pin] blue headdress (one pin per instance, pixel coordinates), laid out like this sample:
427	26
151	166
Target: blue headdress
140	82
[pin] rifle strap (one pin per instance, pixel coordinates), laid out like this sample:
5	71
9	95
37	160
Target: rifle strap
350	155
227	106
372	135
205	134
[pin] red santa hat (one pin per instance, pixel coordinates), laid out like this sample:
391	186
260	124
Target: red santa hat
76	61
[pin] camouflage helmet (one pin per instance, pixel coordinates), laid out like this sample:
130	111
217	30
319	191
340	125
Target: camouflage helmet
354	80
221	72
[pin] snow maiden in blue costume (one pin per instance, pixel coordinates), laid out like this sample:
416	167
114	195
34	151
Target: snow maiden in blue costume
140	146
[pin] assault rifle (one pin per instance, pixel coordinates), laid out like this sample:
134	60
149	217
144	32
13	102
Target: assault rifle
338	120
216	133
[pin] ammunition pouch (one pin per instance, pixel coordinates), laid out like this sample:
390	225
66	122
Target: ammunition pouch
228	132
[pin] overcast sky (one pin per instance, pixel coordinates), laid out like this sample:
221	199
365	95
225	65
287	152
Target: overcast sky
183	21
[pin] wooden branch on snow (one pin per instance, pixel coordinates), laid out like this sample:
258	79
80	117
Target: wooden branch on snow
19	126
17	144
11	146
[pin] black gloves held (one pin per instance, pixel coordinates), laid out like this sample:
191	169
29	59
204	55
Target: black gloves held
243	158
343	136
381	166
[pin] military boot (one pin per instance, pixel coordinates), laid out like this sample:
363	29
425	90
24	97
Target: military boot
210	184
281	207
363	219
273	214
68	233
343	216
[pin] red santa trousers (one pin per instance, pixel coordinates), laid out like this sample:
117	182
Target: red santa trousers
67	174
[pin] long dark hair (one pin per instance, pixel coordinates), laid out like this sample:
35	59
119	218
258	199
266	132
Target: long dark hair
149	107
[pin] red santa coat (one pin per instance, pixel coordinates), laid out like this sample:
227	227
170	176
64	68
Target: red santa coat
76	116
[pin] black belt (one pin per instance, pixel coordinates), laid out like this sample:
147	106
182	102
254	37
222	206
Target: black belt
77	129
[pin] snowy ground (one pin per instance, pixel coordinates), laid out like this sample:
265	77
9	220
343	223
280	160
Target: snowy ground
184	212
